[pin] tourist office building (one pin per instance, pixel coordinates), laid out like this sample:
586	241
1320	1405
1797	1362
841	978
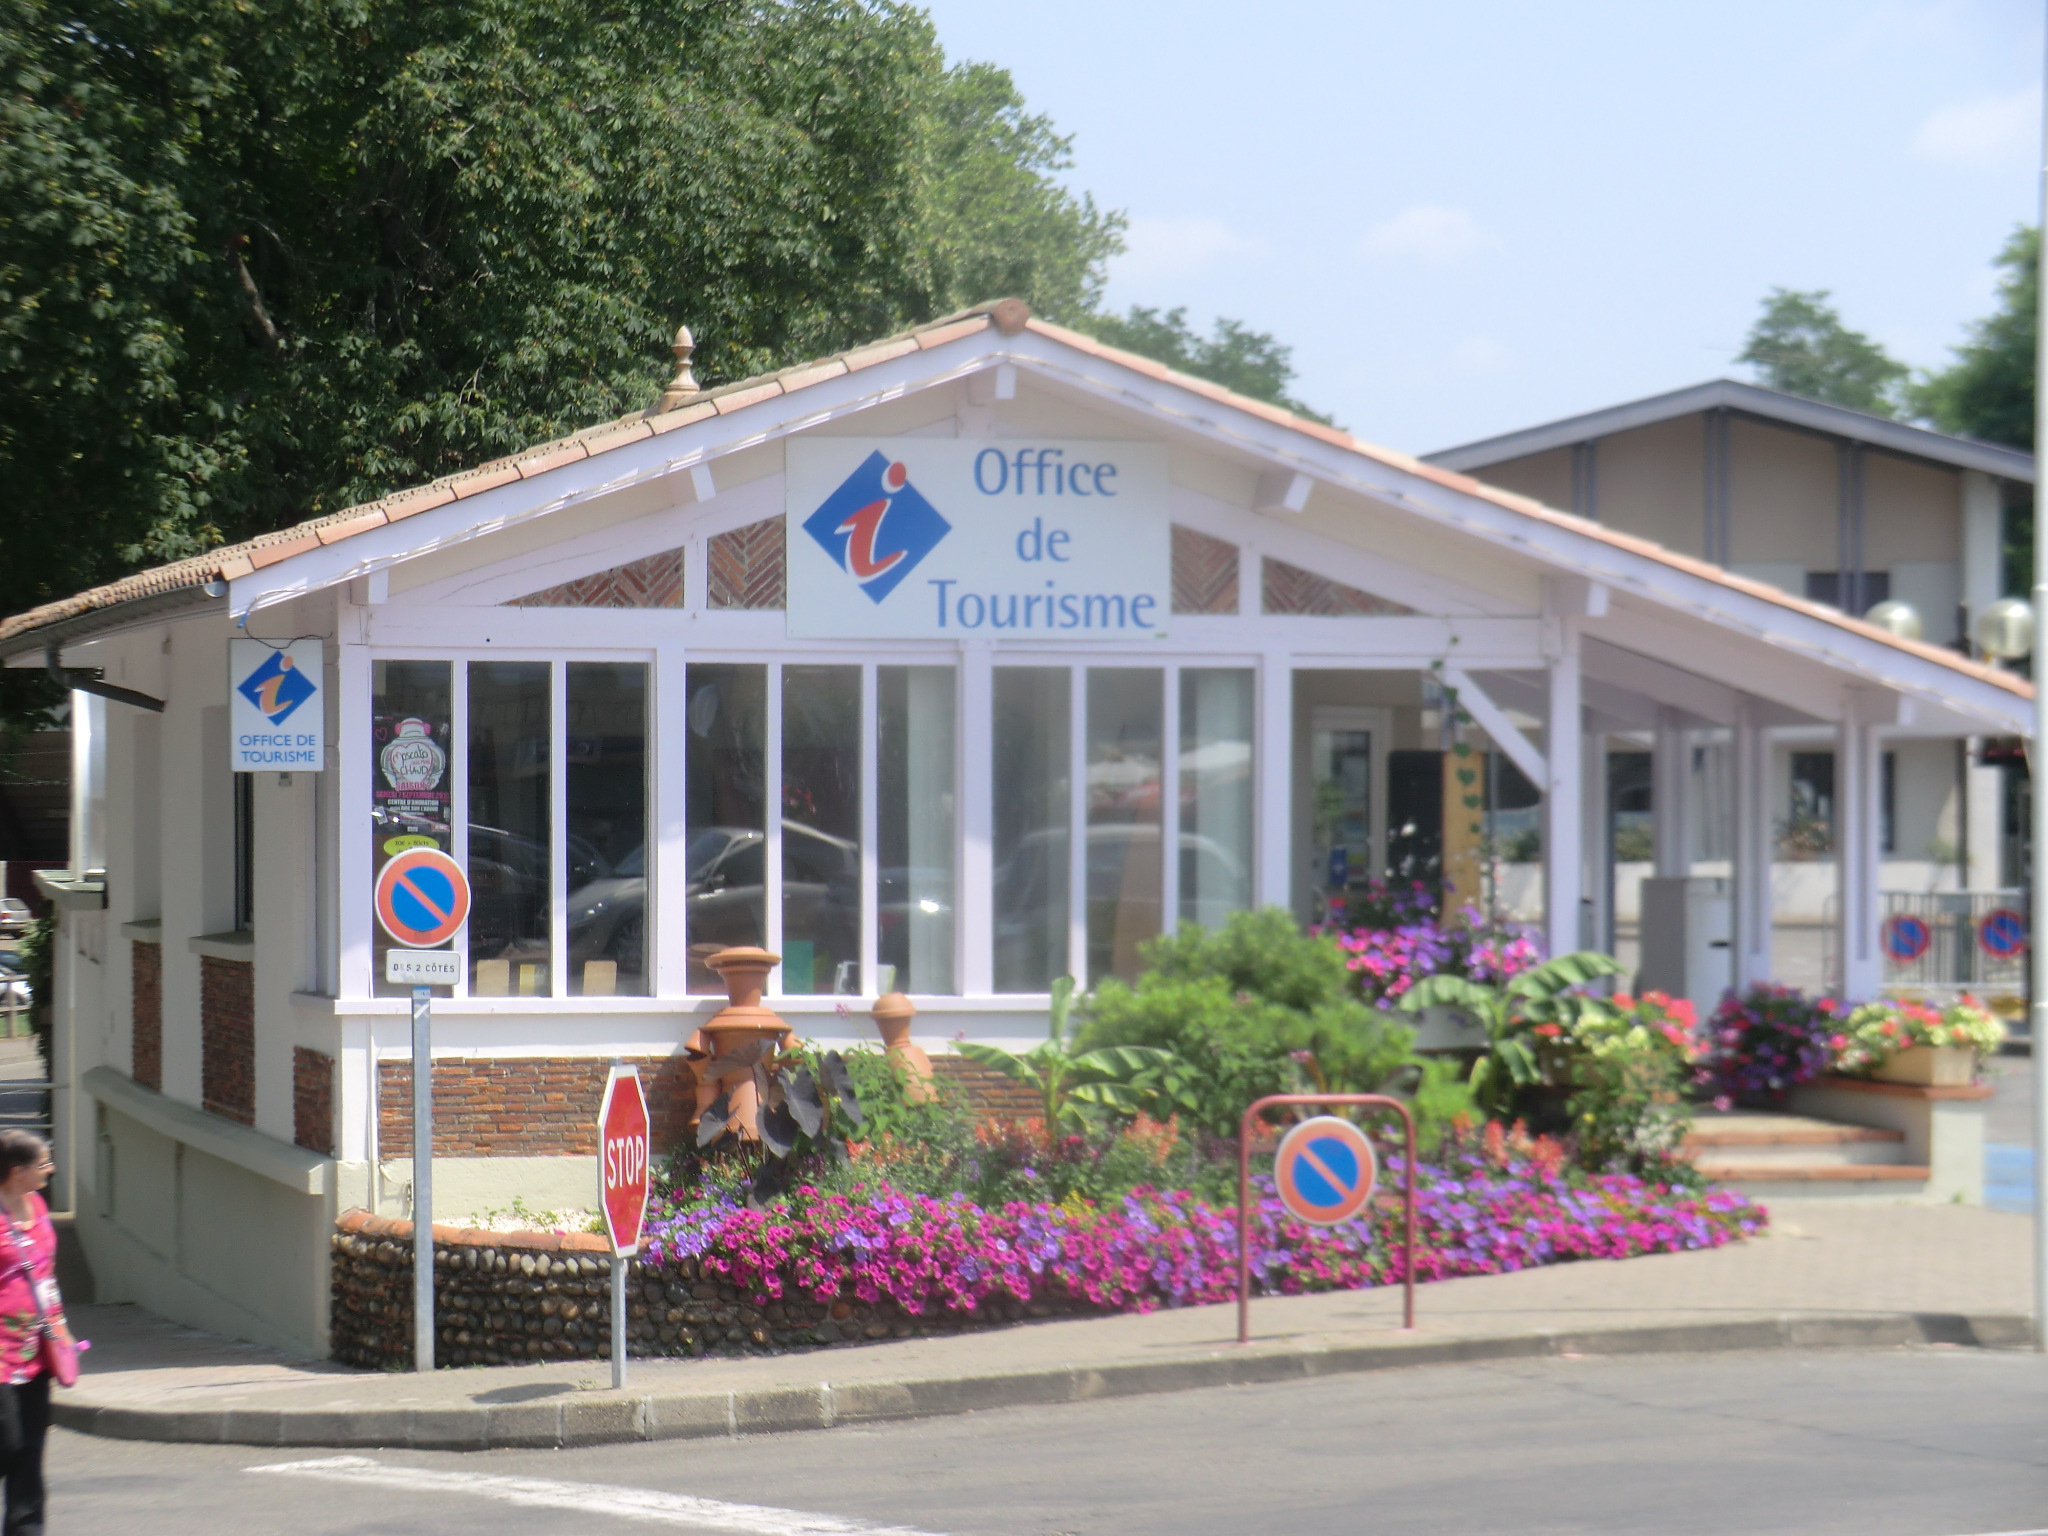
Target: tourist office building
949	665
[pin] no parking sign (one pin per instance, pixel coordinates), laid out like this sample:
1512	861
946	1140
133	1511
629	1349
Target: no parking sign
2002	933
1906	937
422	898
1325	1170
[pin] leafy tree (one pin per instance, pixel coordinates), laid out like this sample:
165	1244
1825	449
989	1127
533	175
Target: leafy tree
1988	392
262	260
1800	345
1233	355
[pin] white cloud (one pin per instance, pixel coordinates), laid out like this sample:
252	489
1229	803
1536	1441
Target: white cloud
1172	248
1981	132
1429	233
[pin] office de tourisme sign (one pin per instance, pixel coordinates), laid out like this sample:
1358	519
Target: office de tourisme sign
949	538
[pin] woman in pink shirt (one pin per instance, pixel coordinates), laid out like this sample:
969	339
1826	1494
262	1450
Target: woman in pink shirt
30	1310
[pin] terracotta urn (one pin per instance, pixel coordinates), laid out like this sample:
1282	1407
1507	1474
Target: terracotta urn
892	1014
744	970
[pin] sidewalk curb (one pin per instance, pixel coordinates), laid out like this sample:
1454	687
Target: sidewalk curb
594	1419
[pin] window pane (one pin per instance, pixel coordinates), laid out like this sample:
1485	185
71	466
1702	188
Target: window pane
821	829
726	771
1126	713
1032	786
606	764
410	727
1215	794
510	829
914	902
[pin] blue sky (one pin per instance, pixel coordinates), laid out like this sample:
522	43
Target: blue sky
1469	217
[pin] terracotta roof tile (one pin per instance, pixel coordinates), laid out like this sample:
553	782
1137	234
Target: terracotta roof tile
539	461
1010	316
348	528
739	397
880	352
485	477
939	334
681	416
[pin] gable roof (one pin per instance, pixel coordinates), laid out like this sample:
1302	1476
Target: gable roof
146	594
1749	400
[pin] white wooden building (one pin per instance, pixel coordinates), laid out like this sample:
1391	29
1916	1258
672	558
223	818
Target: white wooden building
590	670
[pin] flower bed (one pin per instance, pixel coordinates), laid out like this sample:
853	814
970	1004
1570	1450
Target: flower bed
874	1263
1488	1209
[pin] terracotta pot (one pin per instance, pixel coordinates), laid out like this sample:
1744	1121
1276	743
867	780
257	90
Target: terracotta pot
744	970
1930	1066
892	1014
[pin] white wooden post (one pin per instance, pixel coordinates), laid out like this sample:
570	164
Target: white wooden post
1671	796
1563	799
1273	773
1857	828
1752	851
976	936
1596	831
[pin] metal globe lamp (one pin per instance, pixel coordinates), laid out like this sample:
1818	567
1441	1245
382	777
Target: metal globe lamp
1901	619
2005	629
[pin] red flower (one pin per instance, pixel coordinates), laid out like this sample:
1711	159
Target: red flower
1549	1031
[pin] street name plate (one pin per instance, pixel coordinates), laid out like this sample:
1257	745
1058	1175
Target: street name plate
422	967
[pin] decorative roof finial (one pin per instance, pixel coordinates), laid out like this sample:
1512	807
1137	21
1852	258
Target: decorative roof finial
684	384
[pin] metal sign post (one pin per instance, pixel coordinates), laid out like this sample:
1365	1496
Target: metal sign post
2037	886
623	1139
1244	1194
422	900
423	1178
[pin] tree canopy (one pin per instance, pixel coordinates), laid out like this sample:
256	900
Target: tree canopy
1232	354
262	260
1988	392
1800	345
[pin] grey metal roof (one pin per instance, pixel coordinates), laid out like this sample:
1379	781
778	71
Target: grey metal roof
1751	400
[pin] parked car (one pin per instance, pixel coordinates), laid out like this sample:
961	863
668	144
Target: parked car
15	917
15	991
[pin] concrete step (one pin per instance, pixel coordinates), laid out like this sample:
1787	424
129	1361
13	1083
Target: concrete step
1783	1181
1732	1145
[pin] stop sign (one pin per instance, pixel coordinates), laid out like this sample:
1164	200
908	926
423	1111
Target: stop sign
622	1158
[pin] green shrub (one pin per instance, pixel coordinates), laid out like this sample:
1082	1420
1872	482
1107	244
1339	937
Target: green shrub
1254	1008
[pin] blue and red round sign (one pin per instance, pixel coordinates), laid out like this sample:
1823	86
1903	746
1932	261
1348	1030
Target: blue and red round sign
422	898
2002	933
1325	1170
1906	937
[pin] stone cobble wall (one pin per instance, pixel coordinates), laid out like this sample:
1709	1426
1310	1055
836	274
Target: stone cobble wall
990	1095
313	1100
529	1106
505	1298
146	1011
227	1038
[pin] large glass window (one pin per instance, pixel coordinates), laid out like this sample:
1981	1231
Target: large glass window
1215	794
511	828
1126	875
914	897
1032	816
727	778
411	721
605	764
821	750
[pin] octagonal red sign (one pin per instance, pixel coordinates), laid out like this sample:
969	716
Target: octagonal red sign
622	1147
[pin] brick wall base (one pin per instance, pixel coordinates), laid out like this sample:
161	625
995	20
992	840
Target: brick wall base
989	1094
146	1011
528	1106
227	1038
313	1100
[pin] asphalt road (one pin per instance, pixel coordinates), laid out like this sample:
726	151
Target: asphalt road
1942	1442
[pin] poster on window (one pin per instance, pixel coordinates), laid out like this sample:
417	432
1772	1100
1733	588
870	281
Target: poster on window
944	538
409	745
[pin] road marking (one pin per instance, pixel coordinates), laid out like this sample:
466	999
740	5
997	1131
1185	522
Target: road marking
588	1498
2042	1532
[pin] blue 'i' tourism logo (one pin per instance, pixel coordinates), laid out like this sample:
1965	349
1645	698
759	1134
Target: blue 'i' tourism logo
876	526
277	687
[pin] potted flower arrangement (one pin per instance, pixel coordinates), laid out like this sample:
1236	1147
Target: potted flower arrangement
1917	1043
